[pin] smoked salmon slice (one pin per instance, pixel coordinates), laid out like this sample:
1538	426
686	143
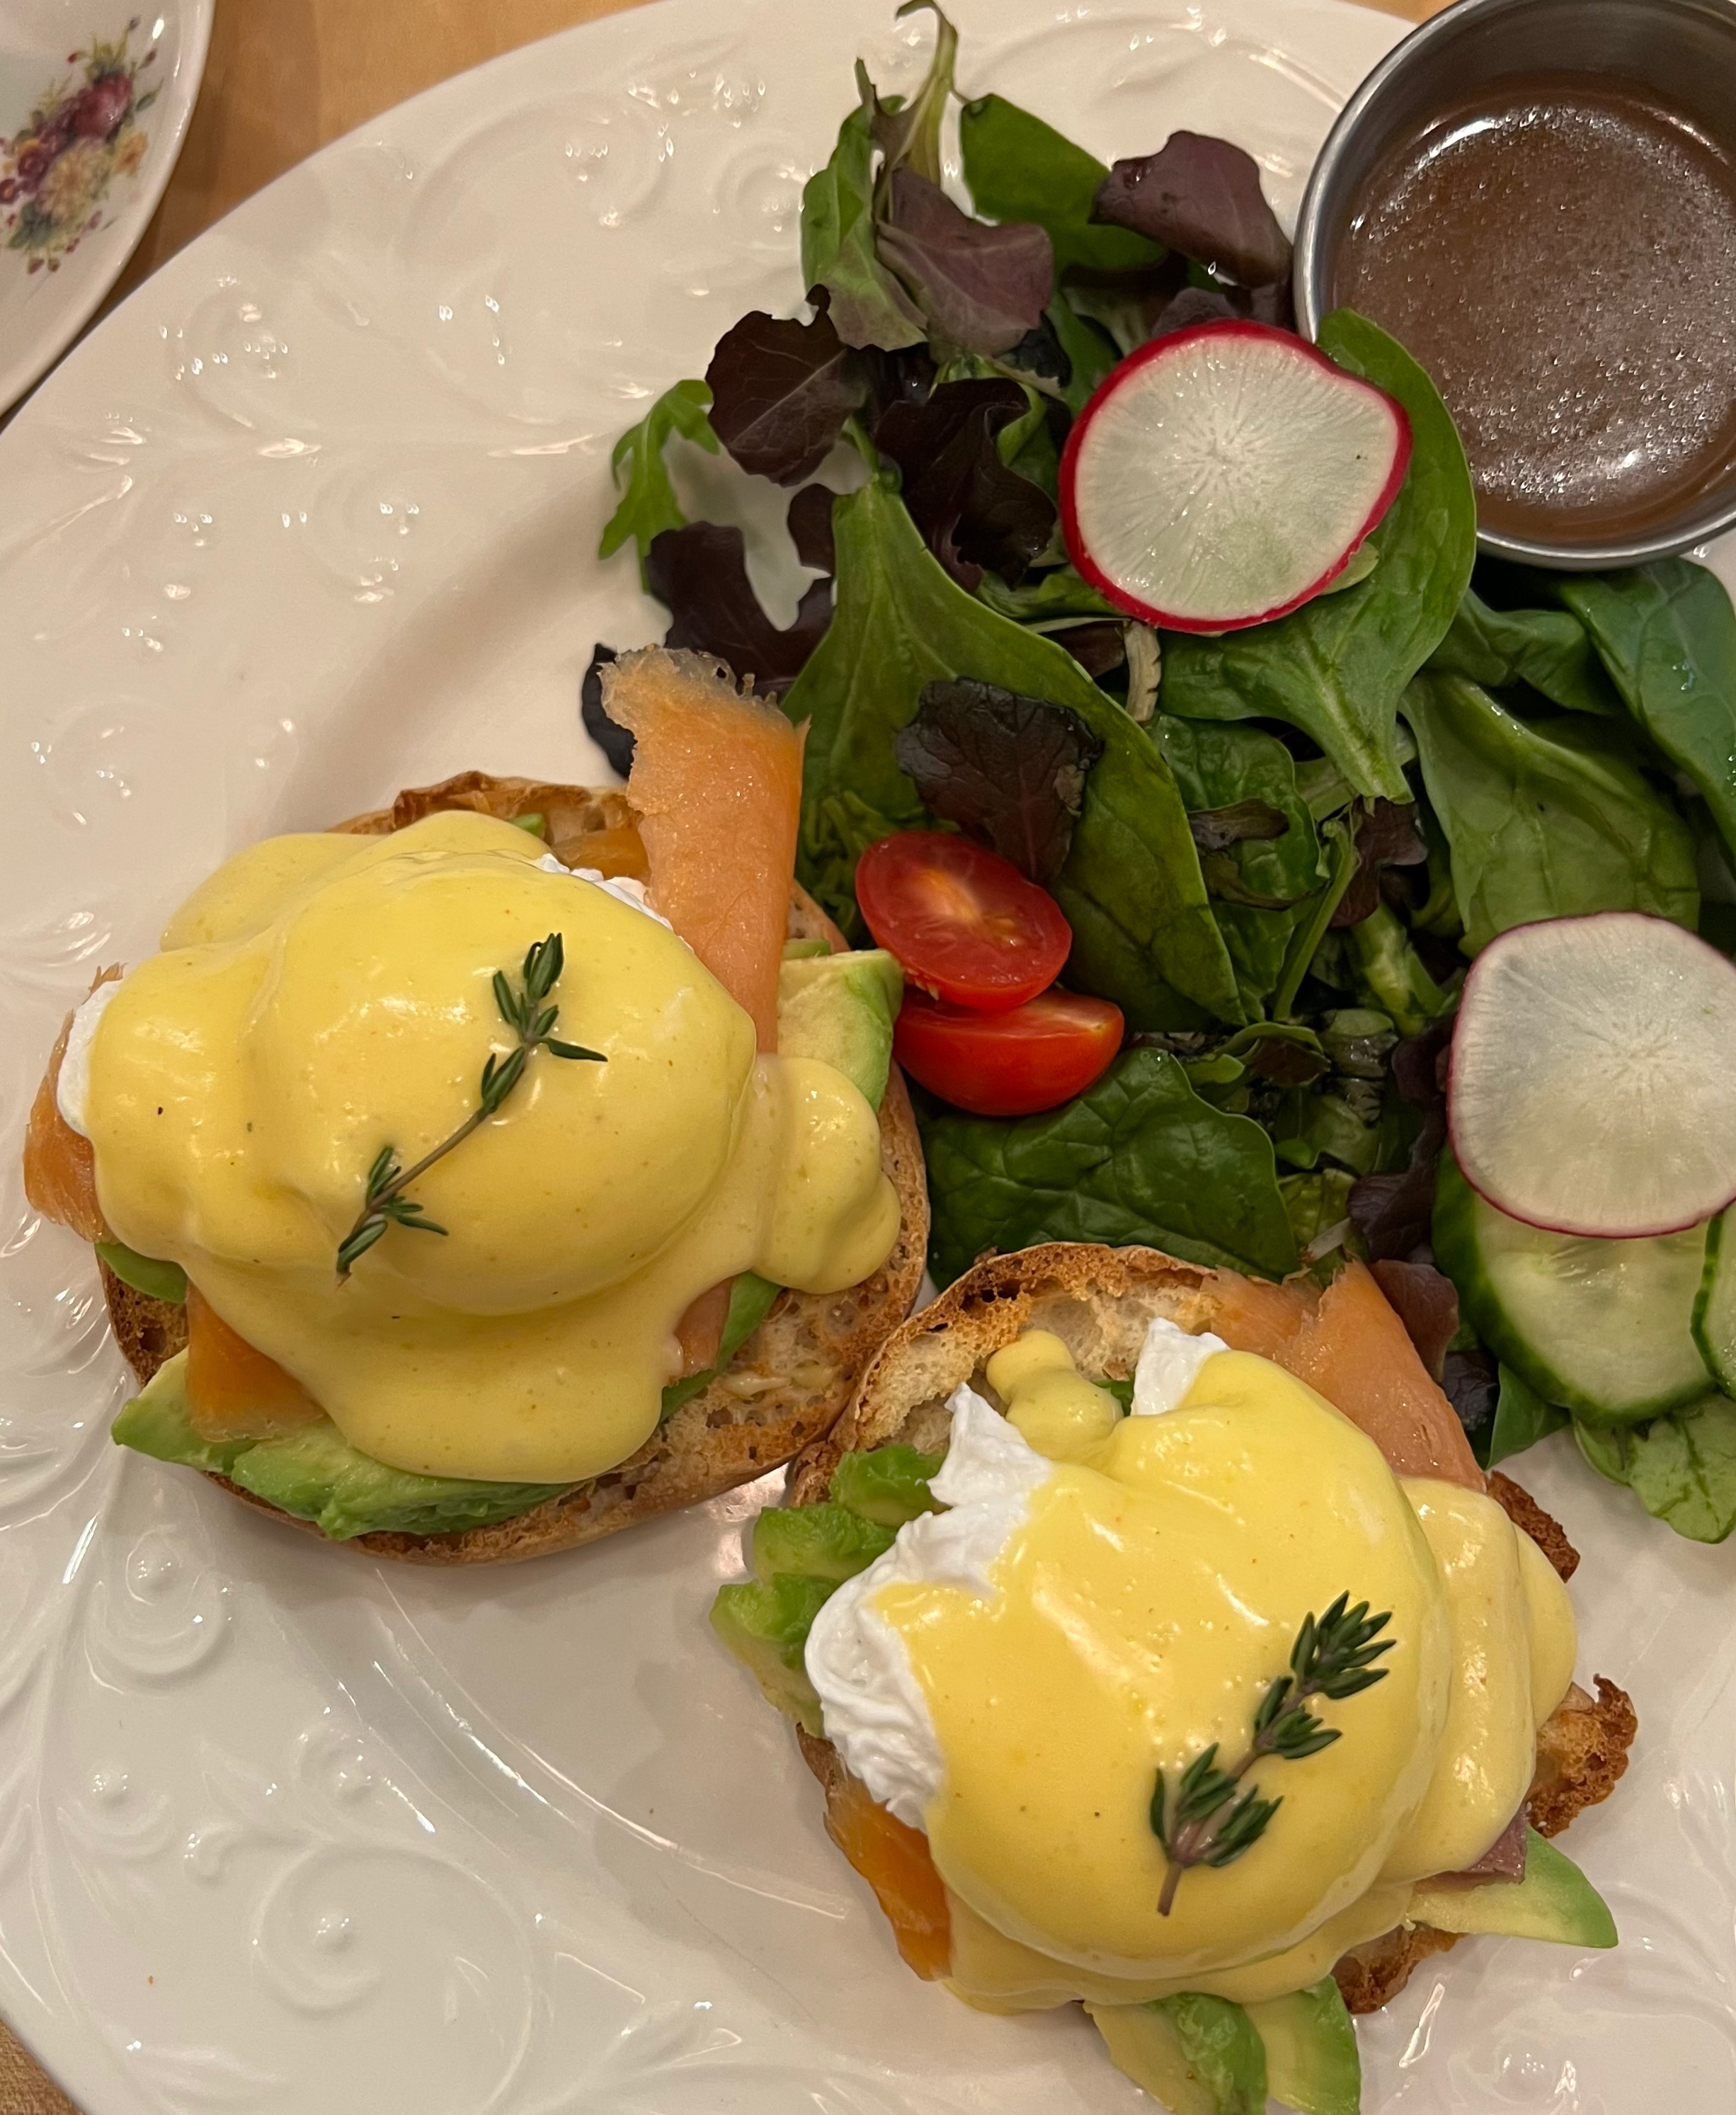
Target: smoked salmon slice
717	783
233	1391
1349	1345
894	1861
59	1166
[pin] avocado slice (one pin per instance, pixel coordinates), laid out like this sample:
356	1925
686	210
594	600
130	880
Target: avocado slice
750	1302
1554	1901
1195	2054
827	1541
765	1622
889	1485
315	1474
841	1008
150	1275
1312	2063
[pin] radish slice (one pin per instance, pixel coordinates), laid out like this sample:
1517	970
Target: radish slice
1593	1082
1223	475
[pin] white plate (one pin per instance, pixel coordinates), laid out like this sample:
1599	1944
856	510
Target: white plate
95	101
312	517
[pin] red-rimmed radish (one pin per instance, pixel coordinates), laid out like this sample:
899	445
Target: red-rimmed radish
1593	1081
1222	475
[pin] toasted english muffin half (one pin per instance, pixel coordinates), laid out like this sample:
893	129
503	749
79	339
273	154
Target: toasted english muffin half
1100	1302
783	1389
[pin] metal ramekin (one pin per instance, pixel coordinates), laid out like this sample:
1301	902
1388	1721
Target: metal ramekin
1683	49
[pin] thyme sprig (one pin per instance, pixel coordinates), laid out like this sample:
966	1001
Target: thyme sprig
384	1204
1212	1822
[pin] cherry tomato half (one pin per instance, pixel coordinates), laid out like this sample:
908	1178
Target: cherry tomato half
1010	1064
964	923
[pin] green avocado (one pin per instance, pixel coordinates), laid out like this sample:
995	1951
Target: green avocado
1312	2063
315	1474
889	1485
825	1541
841	1008
765	1622
1196	2055
1554	1901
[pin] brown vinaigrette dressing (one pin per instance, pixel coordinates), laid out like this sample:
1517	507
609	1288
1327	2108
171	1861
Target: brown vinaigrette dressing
1558	251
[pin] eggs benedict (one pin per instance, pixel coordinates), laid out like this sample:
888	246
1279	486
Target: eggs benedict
1161	1647
474	1179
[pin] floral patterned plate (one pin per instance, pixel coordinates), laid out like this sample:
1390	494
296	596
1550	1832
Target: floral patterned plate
95	102
311	517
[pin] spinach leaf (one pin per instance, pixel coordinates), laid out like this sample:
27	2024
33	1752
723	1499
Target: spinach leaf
1019	168
1682	1468
1040	601
1544	818
1546	648
1090	353
648	503
1337	667
1522	1418
1667	635
866	304
1131	887
1137	1158
1219	766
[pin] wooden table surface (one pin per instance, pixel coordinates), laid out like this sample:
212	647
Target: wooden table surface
283	77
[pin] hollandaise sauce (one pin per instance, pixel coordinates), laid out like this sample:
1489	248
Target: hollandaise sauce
324	996
1138	1613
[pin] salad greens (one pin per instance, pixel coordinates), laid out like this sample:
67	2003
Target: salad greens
1278	849
1336	668
1138	1157
1545	817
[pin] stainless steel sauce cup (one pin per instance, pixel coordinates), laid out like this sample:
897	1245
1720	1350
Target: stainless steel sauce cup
1684	50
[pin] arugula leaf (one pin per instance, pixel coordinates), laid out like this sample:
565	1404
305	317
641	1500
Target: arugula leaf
1201	196
1019	168
981	289
700	573
1337	667
1682	1468
1008	770
1546	648
1544	818
1137	1158
1131	889
867	305
647	501
1667	635
1522	1418
780	393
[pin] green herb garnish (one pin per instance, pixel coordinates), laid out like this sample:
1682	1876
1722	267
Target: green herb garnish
523	1011
1213	1824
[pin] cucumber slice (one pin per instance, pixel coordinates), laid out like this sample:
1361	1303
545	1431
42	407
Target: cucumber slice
1591	1089
1715	1308
1603	1328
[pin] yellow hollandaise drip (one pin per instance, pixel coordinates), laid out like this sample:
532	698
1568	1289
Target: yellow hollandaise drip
1139	1612
322	996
